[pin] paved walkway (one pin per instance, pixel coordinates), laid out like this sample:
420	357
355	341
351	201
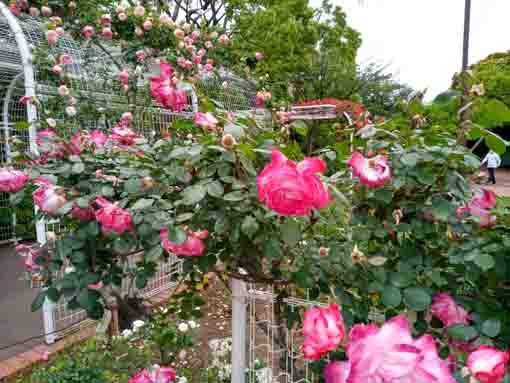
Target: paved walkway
502	187
17	323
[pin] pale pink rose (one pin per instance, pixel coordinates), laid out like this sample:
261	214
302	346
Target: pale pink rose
196	59
206	120
112	218
188	65
57	69
488	364
51	123
63	90
195	35
83	214
122	16
213	35
186	27
98	138
181	45
228	141
164	18
120	9
140	55
448	311
223	40
181	61
201	52
88	31
259	56
139	32
106	19
337	372
107	33
126	118
65	59
45	356
147	25
179	33
34	12
164	91
51	37
209	45
155	375
46	11
208	67
192	247
72	101
323	329
71	111
480	206
60	31
292	189
373	172
49	199
76	142
390	355
139	11
124	136
124	77
12	181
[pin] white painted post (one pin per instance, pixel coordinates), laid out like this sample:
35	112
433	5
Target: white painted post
49	321
239	319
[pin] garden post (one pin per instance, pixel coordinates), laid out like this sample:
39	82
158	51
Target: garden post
238	330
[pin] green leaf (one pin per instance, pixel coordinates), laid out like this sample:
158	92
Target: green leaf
215	189
410	159
250	226
78	168
183	217
496	143
177	235
88	299
272	248
391	296
21	125
491	327
143	203
462	332
402	279
417	298
38	301
154	253
235	196
193	194
132	186
107	191
53	294
291	233
485	262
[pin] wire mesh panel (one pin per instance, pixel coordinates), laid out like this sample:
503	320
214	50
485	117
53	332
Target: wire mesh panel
272	342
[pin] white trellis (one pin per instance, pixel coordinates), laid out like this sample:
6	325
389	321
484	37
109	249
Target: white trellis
252	308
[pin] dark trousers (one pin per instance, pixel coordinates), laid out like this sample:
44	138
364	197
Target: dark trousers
492	175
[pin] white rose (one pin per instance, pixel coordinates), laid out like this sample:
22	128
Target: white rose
71	111
183	327
127	333
69	269
192	324
138	324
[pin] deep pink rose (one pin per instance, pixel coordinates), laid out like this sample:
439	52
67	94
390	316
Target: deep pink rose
292	189
123	136
124	77
448	311
48	143
112	218
83	214
373	172
164	91
12	181
480	207
107	33
488	364
323	329
156	375
192	247
98	137
65	59
337	372
206	120
389	354
49	199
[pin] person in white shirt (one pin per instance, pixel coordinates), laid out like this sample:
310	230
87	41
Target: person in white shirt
493	162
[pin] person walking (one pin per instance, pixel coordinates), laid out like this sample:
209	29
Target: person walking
493	162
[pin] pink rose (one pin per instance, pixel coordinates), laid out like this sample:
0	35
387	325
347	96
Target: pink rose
96	286
49	199
208	67
179	33
389	354
88	31
65	59
192	247
259	56
140	55
124	136
107	33
12	181
213	35
76	142
34	12
448	311
98	137
488	364
261	98
24	100
106	19
156	375
112	218
51	37
83	214
139	11
323	329
480	207
30	254
337	372
46	11
46	140
164	91
124	77
60	31
147	25
206	120
164	18
63	90
122	16
57	69
223	40
195	35
292	189
373	172
209	44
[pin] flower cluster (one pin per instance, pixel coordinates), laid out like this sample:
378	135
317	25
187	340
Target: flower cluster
156	374
480	206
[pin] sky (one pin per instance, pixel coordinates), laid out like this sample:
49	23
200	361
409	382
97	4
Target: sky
421	40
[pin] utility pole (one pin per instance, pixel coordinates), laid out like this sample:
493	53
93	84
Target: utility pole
465	114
